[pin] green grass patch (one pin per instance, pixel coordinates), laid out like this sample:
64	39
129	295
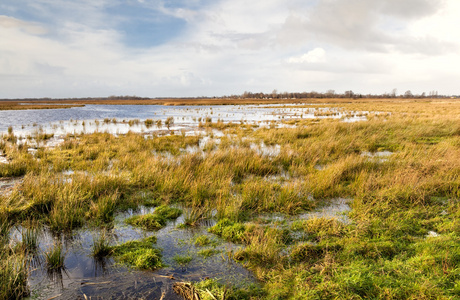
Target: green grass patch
55	257
139	254
203	240
182	259
211	289
155	220
208	252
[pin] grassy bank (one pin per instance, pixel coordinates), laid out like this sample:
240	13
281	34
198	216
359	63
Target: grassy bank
401	170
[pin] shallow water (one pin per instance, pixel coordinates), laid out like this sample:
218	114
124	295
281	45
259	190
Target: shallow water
7	184
90	118
379	156
336	208
83	275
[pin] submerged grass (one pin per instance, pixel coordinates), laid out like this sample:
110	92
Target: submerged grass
13	266
55	257
101	246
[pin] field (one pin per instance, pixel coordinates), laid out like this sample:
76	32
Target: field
67	103
391	184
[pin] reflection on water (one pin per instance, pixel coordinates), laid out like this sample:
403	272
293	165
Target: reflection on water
85	275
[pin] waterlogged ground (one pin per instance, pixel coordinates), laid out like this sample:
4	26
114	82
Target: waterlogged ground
85	275
115	119
295	199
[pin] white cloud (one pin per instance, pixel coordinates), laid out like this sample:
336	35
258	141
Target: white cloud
231	46
29	27
316	55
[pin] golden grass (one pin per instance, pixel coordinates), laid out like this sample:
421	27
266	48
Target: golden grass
370	104
384	252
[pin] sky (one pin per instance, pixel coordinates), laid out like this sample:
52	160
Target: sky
179	48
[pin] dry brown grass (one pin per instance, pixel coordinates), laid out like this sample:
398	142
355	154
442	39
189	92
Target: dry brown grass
389	104
10	105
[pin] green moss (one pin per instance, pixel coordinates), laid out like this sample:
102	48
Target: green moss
139	254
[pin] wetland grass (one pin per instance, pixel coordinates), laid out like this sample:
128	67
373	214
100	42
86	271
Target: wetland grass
55	257
182	259
13	266
29	240
13	277
139	254
386	249
155	220
101	246
203	240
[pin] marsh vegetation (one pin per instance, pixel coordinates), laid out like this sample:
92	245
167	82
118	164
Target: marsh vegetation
396	234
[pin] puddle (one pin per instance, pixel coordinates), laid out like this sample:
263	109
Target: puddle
7	185
432	234
3	158
334	208
380	156
86	277
266	150
377	154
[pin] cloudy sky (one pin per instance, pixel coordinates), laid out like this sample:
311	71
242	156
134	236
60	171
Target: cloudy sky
152	48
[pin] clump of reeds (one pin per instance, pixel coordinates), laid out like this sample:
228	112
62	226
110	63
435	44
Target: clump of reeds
54	257
148	123
29	240
101	246
13	276
169	122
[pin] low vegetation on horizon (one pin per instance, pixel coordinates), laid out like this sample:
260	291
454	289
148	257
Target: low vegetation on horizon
246	98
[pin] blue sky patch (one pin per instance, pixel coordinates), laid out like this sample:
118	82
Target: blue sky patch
143	27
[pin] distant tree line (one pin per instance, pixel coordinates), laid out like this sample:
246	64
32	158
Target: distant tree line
260	95
332	94
79	99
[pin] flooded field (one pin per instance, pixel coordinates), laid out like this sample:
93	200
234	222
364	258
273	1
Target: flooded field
83	274
227	202
119	119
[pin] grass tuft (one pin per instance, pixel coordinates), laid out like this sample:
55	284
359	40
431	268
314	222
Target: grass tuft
155	220
101	246
139	254
55	257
